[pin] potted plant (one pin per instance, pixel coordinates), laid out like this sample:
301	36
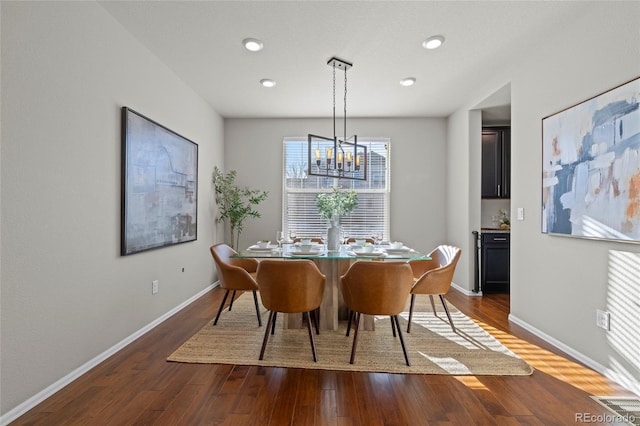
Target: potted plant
337	203
235	204
331	206
503	220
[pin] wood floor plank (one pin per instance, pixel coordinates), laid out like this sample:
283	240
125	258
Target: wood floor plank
138	386
345	397
308	403
286	398
273	380
372	398
253	385
132	408
174	410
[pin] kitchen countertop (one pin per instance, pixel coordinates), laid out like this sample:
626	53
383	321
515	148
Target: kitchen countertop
495	230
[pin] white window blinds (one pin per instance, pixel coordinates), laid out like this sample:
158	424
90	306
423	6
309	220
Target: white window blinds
299	193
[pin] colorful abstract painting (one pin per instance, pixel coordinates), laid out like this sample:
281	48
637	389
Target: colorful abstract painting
591	167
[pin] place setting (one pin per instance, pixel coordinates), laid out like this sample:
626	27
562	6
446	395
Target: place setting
362	247
306	247
396	247
263	246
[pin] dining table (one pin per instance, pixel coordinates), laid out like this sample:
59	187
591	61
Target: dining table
333	264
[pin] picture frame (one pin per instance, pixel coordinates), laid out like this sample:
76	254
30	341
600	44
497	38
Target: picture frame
591	167
159	185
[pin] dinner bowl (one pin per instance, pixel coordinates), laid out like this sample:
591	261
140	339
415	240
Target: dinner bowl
366	248
360	241
396	245
263	243
305	247
305	241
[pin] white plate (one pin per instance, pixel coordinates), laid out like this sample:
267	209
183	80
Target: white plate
256	248
306	253
400	250
369	254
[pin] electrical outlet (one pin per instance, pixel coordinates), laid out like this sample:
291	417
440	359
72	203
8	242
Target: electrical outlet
603	319
154	286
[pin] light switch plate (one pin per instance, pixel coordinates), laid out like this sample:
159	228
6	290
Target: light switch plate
520	213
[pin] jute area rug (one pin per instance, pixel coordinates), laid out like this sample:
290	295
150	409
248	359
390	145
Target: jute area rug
432	345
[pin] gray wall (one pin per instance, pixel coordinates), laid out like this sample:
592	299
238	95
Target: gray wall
557	283
67	294
253	147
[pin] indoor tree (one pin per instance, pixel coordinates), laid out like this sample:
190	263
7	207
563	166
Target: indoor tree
235	204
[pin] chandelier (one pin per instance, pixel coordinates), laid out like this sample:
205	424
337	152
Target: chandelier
335	157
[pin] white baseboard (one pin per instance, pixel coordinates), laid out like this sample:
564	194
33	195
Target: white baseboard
465	291
36	399
624	381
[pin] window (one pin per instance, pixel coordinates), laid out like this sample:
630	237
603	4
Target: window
300	190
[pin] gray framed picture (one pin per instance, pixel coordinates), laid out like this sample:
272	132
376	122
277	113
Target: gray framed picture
591	167
159	185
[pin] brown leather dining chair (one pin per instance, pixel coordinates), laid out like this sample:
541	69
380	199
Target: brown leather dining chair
353	240
377	288
433	277
290	286
234	274
313	240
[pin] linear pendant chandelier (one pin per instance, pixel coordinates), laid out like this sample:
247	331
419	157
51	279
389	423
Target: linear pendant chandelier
335	157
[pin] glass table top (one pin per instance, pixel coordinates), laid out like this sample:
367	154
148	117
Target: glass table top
319	251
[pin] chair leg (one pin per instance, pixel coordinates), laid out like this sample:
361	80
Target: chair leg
413	299
312	319
266	334
224	299
273	326
313	343
393	327
355	338
255	300
404	348
233	296
433	306
316	320
349	322
446	309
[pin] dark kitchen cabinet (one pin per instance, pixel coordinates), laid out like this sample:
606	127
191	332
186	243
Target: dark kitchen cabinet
495	262
496	162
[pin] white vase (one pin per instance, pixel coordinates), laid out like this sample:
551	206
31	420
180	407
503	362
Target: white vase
333	235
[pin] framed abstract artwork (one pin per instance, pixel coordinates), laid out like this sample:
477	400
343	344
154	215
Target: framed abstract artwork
159	185
591	167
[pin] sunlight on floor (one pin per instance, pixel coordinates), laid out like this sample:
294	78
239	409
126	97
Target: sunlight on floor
472	382
561	368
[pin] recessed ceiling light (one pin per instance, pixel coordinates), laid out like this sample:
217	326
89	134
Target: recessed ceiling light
409	81
433	42
267	82
252	44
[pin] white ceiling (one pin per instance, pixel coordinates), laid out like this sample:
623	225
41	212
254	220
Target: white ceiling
201	42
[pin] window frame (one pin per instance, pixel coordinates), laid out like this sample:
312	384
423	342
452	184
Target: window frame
355	224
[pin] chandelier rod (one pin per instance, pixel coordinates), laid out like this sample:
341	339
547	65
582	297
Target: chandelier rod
334	100
345	105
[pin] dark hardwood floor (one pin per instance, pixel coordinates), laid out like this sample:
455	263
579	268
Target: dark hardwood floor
137	386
